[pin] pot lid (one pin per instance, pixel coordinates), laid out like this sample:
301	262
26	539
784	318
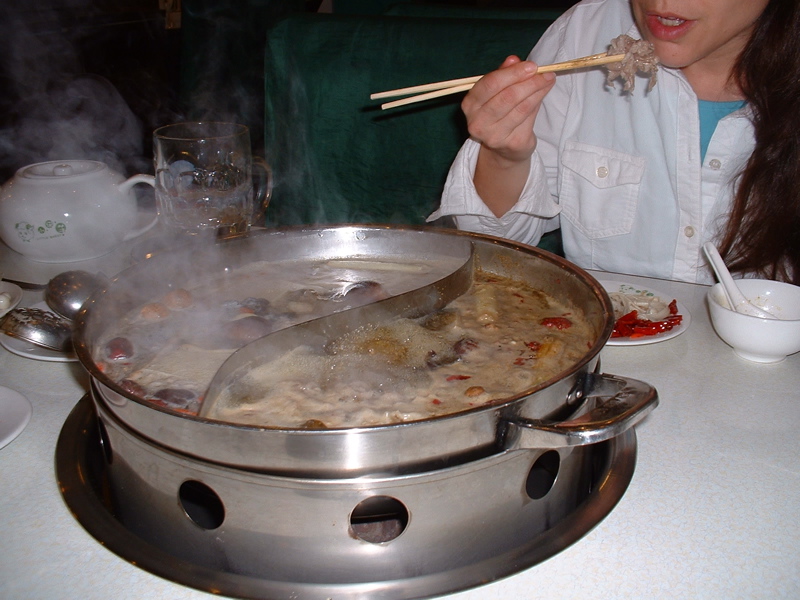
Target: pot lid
58	169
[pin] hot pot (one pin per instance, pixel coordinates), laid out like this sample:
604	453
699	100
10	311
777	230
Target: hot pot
394	511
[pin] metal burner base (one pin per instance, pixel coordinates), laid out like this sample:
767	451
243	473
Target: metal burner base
89	488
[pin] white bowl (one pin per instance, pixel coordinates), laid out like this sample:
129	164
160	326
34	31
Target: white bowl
754	338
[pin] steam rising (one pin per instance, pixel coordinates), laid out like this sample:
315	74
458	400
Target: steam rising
53	109
90	79
81	80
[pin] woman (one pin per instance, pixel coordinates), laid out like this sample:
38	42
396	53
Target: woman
639	181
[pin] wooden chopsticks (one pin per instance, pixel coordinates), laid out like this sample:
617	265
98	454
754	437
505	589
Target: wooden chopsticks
429	91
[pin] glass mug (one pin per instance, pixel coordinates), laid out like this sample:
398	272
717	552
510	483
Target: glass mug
204	178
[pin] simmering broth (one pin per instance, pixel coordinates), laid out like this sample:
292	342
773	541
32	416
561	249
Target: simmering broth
499	339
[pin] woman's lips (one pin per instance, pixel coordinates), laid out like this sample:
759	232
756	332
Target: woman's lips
667	27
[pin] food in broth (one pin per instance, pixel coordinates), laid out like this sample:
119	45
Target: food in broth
499	340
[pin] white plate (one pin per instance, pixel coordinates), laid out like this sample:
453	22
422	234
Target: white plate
15	412
12	290
28	350
630	288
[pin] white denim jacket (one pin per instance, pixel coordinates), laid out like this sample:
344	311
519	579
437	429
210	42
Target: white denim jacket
619	172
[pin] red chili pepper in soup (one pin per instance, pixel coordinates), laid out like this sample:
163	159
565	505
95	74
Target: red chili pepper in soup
556	322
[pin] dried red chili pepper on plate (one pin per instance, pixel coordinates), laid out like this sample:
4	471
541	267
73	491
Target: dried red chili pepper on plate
631	326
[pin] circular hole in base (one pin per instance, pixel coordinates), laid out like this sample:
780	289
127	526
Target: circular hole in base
378	519
201	504
542	475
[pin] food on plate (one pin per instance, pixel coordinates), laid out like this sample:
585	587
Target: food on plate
647	306
501	338
640	56
642	314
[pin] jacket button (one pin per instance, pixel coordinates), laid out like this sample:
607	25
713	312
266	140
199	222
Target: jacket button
688	231
714	164
602	172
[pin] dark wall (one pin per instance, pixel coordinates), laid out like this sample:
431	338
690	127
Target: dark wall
85	79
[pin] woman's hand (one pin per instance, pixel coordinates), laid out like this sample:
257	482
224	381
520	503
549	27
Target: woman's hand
501	109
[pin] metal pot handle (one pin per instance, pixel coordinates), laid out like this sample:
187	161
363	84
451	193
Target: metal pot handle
612	406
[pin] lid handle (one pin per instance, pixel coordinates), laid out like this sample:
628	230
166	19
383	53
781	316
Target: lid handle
63	169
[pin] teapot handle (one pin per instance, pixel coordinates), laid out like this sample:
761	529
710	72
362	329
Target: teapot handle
127	185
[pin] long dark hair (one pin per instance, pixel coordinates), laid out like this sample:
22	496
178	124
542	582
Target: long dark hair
763	231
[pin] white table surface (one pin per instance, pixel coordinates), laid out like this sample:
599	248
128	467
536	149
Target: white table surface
713	510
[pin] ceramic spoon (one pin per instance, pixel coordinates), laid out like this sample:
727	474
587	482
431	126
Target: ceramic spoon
732	292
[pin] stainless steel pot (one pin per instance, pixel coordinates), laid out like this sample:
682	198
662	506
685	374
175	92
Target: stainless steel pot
253	535
596	407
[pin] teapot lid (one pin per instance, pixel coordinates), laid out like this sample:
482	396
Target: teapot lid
56	169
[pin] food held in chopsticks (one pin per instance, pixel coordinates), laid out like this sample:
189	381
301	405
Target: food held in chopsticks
639	56
625	57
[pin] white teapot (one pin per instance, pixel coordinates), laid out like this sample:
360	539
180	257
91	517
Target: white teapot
69	210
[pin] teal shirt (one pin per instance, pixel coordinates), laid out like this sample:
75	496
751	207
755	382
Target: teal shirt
710	114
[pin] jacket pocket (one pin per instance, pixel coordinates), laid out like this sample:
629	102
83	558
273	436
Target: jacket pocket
599	189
